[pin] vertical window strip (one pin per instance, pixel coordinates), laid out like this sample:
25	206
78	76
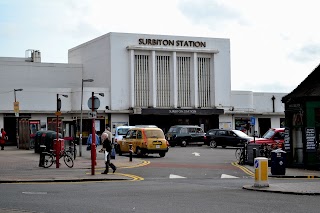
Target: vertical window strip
163	81
141	80
167	78
184	78
204	82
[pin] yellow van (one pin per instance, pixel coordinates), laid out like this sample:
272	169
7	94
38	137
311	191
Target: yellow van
144	140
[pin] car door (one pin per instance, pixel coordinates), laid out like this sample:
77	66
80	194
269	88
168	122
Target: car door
124	143
220	138
232	139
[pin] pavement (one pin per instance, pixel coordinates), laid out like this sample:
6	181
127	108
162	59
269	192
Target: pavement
22	166
19	165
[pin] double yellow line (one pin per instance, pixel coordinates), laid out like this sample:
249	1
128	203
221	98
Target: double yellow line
243	168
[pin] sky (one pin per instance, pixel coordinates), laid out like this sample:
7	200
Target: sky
275	44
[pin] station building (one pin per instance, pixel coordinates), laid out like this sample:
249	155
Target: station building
158	80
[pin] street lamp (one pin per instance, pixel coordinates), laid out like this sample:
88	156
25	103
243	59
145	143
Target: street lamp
16	110
57	127
80	141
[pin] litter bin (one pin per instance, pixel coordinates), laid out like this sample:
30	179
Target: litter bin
42	149
278	162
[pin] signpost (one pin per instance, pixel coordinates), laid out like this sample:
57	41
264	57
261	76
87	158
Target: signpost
93	104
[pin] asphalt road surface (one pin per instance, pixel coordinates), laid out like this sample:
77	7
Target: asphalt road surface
191	179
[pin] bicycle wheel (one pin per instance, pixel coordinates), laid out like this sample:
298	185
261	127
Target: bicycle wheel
48	160
70	153
238	153
68	160
241	160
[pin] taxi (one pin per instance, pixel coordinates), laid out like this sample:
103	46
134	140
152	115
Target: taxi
144	140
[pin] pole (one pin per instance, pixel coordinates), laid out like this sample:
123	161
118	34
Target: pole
80	141
57	137
17	121
93	144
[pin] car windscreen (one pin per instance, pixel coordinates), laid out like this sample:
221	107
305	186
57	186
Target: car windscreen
173	130
268	134
123	131
240	134
154	134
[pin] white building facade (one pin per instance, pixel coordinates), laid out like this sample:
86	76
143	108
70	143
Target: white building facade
146	79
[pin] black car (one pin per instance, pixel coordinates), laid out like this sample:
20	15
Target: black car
183	135
224	138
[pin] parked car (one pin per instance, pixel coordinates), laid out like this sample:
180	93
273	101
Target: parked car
183	135
144	140
224	138
273	137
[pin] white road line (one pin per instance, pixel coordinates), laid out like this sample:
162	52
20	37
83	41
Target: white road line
175	176
35	193
228	176
196	153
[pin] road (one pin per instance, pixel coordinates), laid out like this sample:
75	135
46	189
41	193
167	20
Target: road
191	179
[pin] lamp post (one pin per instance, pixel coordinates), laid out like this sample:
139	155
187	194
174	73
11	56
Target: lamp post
80	141
57	127
94	105
16	110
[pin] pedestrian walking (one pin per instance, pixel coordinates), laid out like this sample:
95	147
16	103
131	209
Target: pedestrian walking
107	146
108	131
3	138
89	141
113	151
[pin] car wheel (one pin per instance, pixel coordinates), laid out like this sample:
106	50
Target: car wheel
162	154
139	152
213	144
183	143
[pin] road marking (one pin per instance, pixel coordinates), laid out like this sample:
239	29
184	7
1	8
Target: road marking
35	193
196	154
144	163
228	176
172	176
243	168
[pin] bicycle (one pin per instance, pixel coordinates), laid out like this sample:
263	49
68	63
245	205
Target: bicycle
240	154
50	158
72	150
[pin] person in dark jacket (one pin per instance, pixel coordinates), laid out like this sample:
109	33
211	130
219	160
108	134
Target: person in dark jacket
107	146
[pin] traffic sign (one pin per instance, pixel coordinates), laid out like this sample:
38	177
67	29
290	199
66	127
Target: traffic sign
16	107
96	102
92	114
253	121
58	113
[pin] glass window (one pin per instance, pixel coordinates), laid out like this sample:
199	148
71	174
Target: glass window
184	130
139	134
154	134
134	134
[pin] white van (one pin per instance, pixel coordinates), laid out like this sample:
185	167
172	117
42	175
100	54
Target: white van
120	132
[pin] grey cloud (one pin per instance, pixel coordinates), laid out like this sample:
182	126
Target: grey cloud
209	11
309	52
